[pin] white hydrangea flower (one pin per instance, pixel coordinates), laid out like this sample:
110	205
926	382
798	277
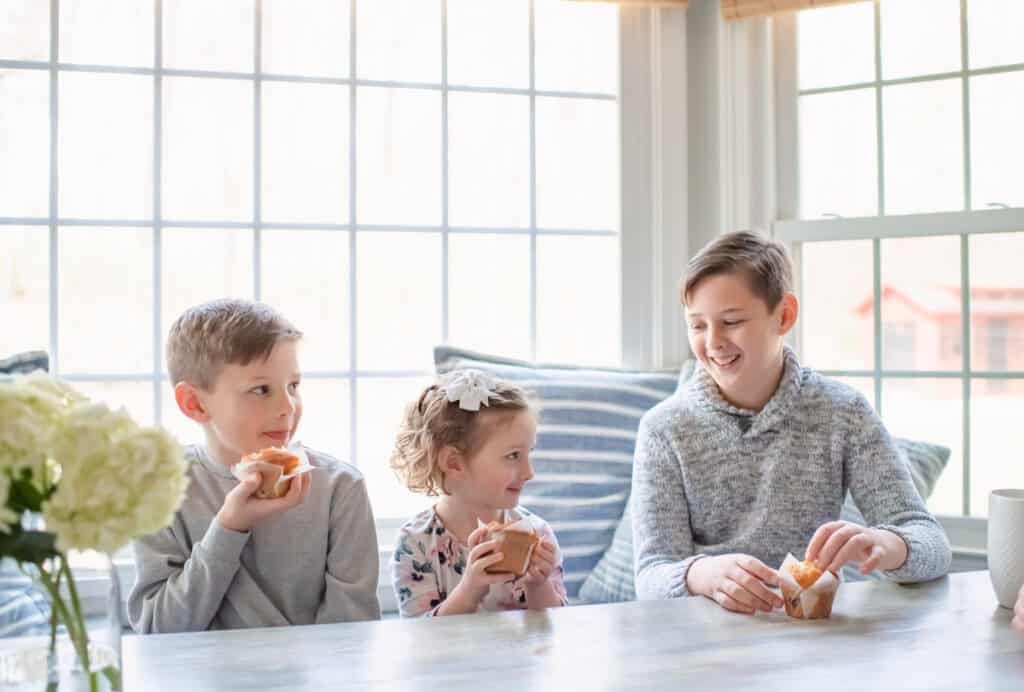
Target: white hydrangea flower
470	388
118	480
32	408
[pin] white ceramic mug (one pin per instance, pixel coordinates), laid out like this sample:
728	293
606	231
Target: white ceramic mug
1006	544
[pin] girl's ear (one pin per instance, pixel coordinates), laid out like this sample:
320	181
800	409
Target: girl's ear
450	461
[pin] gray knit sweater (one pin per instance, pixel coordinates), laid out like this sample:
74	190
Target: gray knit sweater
314	563
710	479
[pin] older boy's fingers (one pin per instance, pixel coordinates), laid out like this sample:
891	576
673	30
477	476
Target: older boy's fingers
755	586
871	564
739	593
819	539
729	603
856	547
763	572
827	557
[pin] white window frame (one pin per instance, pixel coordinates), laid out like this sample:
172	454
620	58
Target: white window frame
968	534
653	180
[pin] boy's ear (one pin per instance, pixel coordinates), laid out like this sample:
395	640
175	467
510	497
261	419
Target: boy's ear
190	402
450	461
789	310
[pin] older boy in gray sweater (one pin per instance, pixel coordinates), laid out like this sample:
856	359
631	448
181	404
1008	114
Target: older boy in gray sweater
755	457
231	559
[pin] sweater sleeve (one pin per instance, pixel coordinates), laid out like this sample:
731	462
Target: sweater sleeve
880	484
179	590
662	536
353	568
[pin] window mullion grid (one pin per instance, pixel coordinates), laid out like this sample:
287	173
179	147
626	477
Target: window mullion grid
876	245
533	180
158	63
257	130
444	171
965	352
53	240
353	380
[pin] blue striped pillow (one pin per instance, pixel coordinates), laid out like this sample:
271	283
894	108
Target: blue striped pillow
584	456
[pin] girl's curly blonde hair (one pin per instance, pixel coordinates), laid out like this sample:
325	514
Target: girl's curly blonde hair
432	423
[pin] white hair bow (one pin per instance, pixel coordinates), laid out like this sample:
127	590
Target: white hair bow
469	387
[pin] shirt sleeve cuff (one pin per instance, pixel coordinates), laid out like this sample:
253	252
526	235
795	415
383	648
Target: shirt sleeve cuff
224	545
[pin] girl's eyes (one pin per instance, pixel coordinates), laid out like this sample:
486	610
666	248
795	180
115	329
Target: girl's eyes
294	386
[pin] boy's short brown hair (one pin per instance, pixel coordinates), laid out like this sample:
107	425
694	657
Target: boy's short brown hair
764	262
209	336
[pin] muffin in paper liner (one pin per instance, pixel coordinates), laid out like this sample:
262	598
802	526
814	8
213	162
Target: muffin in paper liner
275	482
516	541
812	602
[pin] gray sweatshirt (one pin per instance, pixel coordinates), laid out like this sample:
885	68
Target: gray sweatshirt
710	479
314	563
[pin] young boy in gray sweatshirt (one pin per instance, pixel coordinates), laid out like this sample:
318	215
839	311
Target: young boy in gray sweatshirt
230	559
754	458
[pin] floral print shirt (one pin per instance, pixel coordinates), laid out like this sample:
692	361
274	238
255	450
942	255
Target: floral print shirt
429	561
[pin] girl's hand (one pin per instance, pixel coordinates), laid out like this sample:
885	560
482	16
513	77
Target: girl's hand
737	582
475	581
1018	612
542	564
838	542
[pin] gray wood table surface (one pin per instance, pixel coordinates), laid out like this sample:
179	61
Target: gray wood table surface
945	635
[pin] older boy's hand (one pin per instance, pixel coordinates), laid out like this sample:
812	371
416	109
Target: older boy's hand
242	510
737	582
1018	612
838	542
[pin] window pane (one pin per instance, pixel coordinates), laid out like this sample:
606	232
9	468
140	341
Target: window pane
997	142
489	43
931	410
24	30
134	397
106	32
25	143
184	430
837	312
923	147
381	403
835	45
921	304
997	304
399	181
399	40
995	27
577	163
579	305
24	289
489	293
838	127
106	146
489	160
306	277
311	41
207	149
399	300
920	37
305	147
218	264
864	385
576	46
203	35
105	300
325	424
997	408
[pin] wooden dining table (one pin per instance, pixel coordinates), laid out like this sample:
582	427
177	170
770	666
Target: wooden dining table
948	634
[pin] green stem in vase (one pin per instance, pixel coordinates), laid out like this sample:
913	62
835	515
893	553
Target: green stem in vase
82	640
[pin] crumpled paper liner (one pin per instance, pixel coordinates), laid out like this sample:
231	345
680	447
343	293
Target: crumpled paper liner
812	603
275	482
516	541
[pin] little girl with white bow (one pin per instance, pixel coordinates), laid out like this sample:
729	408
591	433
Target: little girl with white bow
468	438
